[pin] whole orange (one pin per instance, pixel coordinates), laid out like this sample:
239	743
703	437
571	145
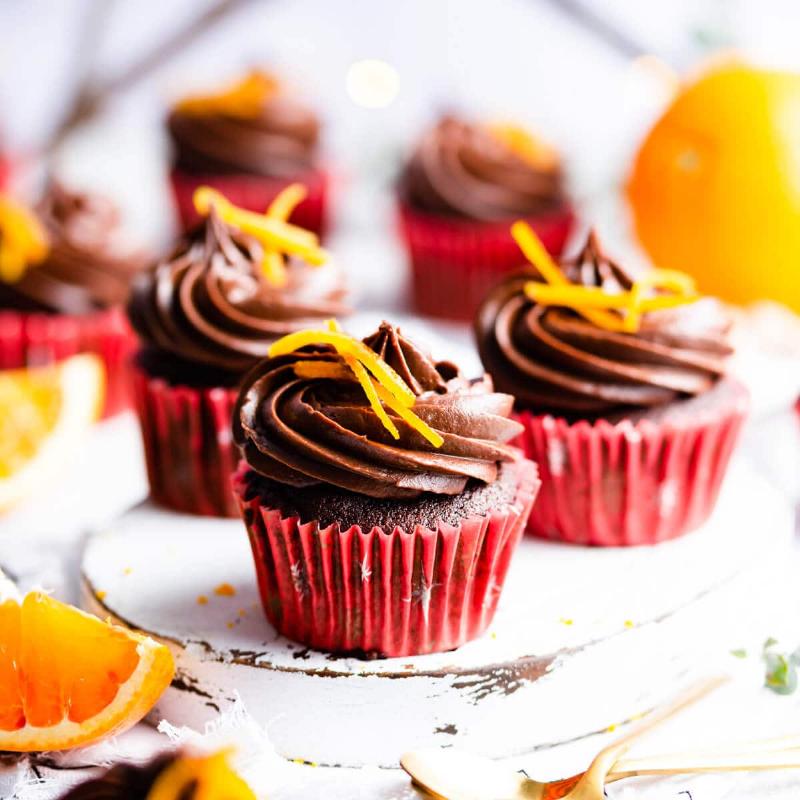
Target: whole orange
715	187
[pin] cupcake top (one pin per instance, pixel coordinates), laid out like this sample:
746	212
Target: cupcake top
235	285
252	127
171	775
376	417
84	264
484	173
585	337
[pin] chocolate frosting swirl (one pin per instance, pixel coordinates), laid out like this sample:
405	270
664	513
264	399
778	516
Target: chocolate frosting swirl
552	359
88	267
209	304
308	431
462	169
281	142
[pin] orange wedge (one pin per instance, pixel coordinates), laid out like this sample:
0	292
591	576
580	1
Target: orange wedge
44	414
68	679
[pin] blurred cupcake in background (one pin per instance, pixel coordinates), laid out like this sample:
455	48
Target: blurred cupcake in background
464	185
65	273
250	140
621	387
381	496
205	315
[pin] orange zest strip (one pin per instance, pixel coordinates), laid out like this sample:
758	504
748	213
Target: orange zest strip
244	99
618	311
23	240
205	777
321	369
524	144
287	201
422	427
369	390
278	237
387	388
347	345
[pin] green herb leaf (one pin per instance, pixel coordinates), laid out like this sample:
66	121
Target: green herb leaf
781	675
740	653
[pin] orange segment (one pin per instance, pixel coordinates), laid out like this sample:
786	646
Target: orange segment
44	414
67	679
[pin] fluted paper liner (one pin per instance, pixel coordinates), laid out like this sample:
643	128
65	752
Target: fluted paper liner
627	483
454	262
384	593
188	445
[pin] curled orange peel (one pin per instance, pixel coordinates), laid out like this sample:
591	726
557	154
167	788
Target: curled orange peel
23	240
244	99
278	237
614	311
381	384
523	143
204	777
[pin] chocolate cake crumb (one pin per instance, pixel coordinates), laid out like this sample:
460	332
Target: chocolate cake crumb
328	504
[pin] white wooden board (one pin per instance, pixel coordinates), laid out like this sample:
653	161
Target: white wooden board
583	638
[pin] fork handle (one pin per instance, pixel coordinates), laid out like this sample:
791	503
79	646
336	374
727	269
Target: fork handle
699	762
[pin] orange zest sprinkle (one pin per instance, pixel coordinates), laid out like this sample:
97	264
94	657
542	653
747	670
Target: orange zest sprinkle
381	384
244	99
23	240
225	590
618	311
202	600
278	237
523	143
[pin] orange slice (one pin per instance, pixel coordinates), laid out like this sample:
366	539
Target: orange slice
68	679
44	414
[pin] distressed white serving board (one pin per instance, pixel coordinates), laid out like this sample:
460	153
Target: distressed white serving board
583	638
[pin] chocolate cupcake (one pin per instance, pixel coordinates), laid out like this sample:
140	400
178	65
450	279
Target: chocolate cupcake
463	186
206	314
72	299
169	775
621	387
249	141
382	500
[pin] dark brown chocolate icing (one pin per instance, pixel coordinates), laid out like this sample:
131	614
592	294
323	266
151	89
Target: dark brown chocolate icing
462	169
209	304
305	432
87	267
552	359
280	142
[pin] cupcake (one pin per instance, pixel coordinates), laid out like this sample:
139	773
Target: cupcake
205	315
67	295
381	498
249	141
462	188
621	387
168	776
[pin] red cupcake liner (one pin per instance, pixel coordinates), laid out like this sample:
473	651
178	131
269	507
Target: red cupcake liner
30	339
626	483
455	262
5	172
188	445
379	592
255	193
